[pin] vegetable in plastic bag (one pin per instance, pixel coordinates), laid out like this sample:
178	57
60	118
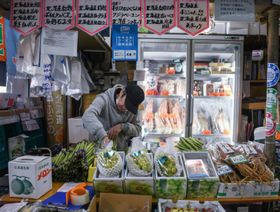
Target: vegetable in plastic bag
109	163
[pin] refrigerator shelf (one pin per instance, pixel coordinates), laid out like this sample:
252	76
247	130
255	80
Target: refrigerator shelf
214	97
213	135
209	76
164	97
166	76
153	135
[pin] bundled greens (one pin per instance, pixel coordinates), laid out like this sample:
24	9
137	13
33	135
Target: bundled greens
189	144
71	165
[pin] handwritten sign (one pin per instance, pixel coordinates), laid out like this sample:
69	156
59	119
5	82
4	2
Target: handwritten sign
159	15
2	40
238	10
92	15
59	14
25	15
193	16
125	12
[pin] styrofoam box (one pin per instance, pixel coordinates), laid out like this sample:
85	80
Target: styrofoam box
104	184
30	176
76	130
249	189
185	202
202	187
143	185
164	186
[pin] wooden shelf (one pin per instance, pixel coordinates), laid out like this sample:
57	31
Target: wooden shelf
258	81
254	106
56	186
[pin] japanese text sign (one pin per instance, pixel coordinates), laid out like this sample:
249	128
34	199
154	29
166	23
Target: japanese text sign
25	15
124	42
59	14
193	16
237	10
92	15
126	12
159	15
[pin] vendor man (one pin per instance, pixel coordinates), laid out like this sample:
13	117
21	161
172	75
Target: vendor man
112	115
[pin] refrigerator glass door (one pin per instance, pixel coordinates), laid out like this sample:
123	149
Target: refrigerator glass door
216	70
165	64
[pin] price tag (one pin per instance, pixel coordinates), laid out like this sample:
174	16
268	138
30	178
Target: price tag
225	148
249	150
237	159
223	170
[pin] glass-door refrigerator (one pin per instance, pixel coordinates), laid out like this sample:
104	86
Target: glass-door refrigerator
166	64
215	89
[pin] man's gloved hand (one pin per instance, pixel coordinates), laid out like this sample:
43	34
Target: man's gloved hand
114	131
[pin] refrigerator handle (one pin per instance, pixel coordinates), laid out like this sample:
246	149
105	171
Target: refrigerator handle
191	110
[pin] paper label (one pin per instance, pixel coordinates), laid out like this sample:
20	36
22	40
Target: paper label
225	148
272	74
249	150
270	124
237	159
223	170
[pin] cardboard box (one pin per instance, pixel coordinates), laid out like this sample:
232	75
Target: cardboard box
30	176
76	130
124	202
206	186
250	189
103	184
139	185
171	187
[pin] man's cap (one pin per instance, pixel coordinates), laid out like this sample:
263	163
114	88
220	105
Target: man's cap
134	96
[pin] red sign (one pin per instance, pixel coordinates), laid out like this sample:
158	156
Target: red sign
159	15
193	16
25	15
2	40
125	12
92	15
44	173
59	14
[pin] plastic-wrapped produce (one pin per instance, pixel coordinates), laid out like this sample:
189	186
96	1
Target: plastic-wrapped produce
109	163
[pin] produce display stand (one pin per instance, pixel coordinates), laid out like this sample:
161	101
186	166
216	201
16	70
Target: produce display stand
6	199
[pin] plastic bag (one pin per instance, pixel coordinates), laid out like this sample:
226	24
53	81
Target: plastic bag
167	163
26	53
61	69
109	163
139	163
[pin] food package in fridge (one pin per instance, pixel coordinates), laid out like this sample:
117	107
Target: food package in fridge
202	121
198	88
148	116
169	117
221	121
166	87
151	85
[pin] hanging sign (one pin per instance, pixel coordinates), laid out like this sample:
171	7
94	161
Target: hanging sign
92	15
193	16
273	75
2	40
125	12
159	15
59	14
25	15
237	10
124	42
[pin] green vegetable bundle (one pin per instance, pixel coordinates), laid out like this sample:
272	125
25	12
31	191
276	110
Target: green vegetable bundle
109	163
72	165
189	144
139	163
167	164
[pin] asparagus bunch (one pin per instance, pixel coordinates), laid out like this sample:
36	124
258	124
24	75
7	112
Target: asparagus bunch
189	144
72	164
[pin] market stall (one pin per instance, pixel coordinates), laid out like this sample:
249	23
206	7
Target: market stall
187	156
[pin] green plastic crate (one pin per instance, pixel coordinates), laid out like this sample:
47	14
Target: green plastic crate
12	130
3	149
34	141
